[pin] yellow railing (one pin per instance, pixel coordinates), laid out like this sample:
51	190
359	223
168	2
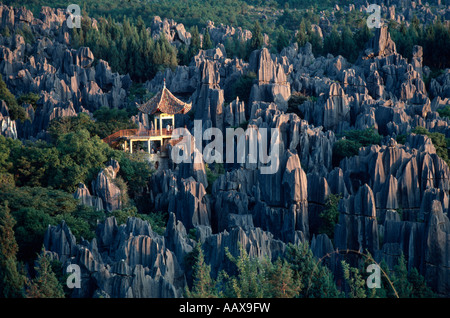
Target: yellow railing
136	133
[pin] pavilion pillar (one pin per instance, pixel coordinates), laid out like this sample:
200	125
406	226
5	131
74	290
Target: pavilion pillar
131	146
148	146
160	125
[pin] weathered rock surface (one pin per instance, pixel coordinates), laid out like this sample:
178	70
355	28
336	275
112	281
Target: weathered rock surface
106	189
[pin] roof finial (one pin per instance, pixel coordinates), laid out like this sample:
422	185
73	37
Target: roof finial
164	82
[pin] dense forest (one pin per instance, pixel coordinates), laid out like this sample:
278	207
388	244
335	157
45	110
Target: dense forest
130	49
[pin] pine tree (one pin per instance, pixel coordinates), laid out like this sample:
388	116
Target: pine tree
195	39
316	280
301	36
348	47
332	42
257	41
400	279
250	280
203	285
207	43
281	281
15	111
45	284
282	39
419	285
11	280
355	281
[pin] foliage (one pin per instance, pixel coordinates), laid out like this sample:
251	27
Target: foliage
157	220
34	208
120	39
123	214
344	148
73	158
28	98
127	47
110	120
316	279
254	277
135	172
11	280
353	140
397	283
295	100
107	121
207	43
439	141
213	174
45	284
241	88
433	37
15	111
257	277
355	281
445	111
257	41
249	282
330	215
81	157
409	284
203	285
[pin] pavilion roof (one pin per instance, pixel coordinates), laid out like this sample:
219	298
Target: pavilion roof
165	102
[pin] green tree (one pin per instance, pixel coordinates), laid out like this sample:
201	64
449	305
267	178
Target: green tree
420	289
35	208
196	42
400	279
444	111
348	48
11	280
81	157
316	43
250	281
352	141
282	39
302	36
15	111
257	41
203	285
281	280
439	142
34	163
344	148
207	43
354	280
316	280
330	215
29	98
45	284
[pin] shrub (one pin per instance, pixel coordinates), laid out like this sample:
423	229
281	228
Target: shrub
344	148
330	215
353	140
439	141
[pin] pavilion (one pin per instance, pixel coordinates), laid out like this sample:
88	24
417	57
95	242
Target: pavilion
163	107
